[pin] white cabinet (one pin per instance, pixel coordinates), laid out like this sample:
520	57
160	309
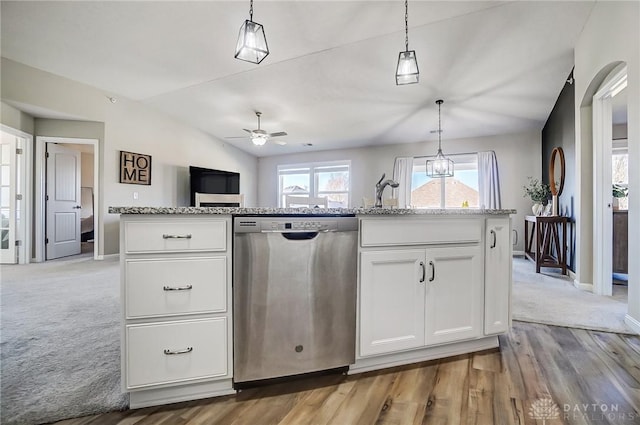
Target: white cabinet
454	294
497	282
391	300
429	282
176	307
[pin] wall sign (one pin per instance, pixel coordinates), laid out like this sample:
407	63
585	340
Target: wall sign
135	168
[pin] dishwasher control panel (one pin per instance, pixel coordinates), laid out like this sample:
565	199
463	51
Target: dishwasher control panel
293	224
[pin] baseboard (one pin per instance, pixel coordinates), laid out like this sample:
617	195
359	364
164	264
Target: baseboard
158	396
632	323
583	286
104	257
423	354
572	275
518	253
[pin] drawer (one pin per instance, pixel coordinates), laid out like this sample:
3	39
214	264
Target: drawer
176	351
170	286
175	236
406	231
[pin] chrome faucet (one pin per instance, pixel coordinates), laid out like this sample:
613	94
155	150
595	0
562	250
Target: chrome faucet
380	188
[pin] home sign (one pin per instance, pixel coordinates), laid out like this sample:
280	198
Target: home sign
135	168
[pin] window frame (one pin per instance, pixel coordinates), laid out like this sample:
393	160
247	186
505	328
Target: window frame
312	169
420	162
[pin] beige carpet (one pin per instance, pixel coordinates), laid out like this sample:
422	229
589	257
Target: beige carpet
550	298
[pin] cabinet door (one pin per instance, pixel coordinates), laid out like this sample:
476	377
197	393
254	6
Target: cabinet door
455	295
391	301
497	272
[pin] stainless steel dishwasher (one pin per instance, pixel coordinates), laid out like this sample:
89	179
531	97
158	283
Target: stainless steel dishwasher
294	295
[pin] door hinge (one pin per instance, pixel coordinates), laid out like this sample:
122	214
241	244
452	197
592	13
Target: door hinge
18	197
18	151
46	197
46	155
18	243
46	240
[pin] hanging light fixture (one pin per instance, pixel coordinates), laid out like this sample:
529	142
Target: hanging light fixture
252	44
407	71
440	166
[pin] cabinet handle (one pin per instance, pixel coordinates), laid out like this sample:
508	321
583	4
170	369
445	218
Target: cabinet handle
187	236
495	239
516	233
424	272
433	271
172	352
177	288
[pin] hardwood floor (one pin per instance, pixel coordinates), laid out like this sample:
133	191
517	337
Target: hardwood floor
540	375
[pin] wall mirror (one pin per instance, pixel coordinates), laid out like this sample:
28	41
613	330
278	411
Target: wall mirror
556	171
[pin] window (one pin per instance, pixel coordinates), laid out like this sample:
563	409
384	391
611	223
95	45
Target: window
432	193
323	180
620	172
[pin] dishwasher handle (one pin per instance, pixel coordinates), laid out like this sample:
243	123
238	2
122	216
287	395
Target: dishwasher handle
299	236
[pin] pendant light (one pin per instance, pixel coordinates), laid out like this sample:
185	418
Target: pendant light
440	166
407	70
252	44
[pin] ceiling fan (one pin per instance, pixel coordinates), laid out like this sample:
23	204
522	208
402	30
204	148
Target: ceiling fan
259	137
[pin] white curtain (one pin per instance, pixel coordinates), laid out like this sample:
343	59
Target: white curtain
488	180
402	171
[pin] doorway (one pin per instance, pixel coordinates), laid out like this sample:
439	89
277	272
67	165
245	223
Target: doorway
15	199
603	121
79	224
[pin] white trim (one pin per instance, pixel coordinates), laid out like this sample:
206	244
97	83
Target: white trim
518	254
602	200
24	255
583	286
39	209
632	323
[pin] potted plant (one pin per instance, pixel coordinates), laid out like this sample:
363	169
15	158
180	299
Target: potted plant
618	192
538	192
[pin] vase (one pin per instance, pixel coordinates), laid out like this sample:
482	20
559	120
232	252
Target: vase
537	208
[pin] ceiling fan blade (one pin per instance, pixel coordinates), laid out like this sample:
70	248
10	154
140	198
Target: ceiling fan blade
236	137
248	131
278	134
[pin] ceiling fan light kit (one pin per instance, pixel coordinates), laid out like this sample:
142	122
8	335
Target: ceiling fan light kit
407	70
440	166
252	43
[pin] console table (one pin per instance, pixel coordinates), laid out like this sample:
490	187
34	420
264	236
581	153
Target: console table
546	232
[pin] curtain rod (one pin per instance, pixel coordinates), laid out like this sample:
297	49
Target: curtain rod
450	154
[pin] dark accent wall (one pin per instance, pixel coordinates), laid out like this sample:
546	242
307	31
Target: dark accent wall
559	131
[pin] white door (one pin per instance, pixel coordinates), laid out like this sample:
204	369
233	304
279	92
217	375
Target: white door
8	199
63	201
455	294
391	301
497	276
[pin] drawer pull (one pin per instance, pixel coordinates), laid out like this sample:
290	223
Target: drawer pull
172	352
177	288
495	239
187	236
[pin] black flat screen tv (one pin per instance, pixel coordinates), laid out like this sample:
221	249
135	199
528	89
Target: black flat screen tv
205	180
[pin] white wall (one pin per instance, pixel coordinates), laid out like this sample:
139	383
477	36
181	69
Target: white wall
129	126
519	156
611	35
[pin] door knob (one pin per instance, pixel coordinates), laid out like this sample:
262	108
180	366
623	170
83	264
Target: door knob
77	207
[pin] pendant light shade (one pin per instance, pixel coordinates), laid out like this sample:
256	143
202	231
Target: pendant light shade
407	70
252	43
440	166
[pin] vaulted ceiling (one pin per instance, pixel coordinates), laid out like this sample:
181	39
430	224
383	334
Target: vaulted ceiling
329	79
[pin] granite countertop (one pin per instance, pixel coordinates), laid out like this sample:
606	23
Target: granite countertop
305	211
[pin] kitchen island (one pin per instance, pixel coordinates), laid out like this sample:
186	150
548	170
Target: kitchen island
430	284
